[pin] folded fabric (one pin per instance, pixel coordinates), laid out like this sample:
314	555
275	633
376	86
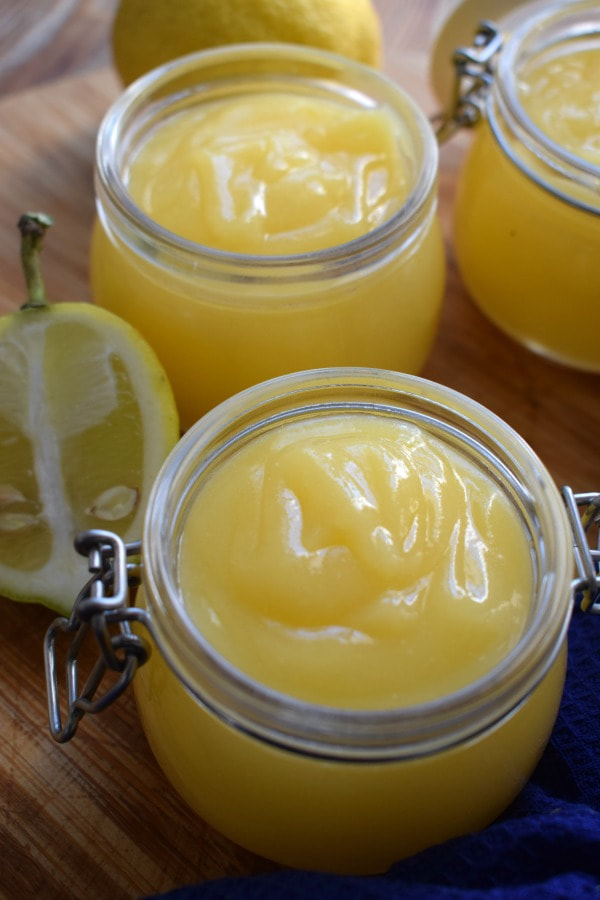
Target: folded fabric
546	845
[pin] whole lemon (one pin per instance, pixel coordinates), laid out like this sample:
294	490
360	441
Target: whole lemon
147	33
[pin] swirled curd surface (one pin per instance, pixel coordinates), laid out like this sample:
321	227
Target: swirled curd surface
562	97
272	173
358	561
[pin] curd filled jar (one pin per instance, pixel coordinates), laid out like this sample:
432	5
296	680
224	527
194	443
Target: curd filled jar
265	209
359	586
527	218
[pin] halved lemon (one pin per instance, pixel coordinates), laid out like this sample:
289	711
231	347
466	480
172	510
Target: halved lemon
87	417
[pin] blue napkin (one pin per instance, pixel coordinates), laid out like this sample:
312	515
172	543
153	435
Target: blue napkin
546	845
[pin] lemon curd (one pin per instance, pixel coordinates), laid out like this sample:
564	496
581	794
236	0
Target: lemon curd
527	226
271	174
356	562
264	210
359	588
561	95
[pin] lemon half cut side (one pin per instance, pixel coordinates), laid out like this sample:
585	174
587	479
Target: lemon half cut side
87	417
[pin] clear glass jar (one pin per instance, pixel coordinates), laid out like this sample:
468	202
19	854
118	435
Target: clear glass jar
222	321
527	218
349	790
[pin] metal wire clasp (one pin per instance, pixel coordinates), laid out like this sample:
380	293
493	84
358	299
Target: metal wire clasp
584	515
473	74
103	602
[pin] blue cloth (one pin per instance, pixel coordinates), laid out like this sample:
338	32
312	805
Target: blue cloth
546	845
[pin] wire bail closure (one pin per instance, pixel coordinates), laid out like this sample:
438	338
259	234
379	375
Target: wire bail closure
584	516
104	601
473	73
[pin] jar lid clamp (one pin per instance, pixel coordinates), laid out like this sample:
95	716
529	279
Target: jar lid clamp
104	601
584	515
473	73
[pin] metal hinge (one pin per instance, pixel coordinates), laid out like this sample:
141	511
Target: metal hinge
584	515
473	73
101	608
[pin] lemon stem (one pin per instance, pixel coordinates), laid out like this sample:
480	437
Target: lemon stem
33	228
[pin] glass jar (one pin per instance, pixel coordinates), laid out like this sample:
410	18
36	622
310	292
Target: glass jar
222	321
349	790
527	217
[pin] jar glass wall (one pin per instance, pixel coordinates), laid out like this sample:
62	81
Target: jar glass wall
527	218
221	321
347	789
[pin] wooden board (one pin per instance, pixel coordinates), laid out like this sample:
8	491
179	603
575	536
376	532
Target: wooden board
96	818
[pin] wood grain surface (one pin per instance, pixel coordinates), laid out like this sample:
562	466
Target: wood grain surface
97	819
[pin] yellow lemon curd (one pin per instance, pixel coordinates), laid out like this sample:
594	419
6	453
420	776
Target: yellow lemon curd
355	562
562	97
273	175
269	176
531	259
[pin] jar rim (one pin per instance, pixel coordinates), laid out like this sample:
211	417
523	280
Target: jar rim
532	29
110	186
358	734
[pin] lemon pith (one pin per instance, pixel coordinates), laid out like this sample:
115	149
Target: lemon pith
87	417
